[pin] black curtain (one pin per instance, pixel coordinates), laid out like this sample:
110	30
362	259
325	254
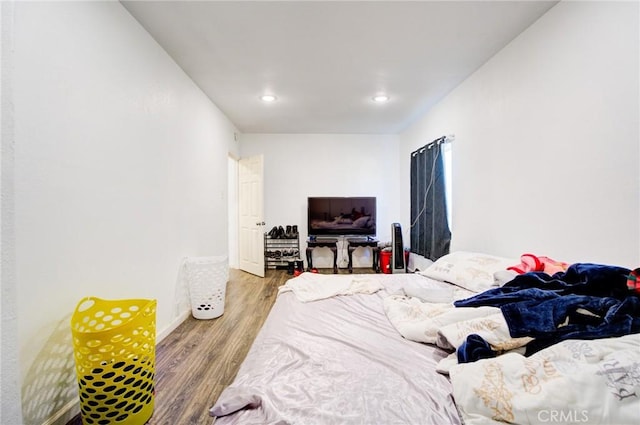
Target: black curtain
430	234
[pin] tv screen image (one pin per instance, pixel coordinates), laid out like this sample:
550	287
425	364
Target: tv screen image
341	216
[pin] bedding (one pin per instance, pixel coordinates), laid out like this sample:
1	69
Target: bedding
575	381
451	327
421	321
470	270
314	286
338	360
588	301
399	349
491	329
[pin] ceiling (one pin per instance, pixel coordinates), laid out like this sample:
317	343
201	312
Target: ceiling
325	60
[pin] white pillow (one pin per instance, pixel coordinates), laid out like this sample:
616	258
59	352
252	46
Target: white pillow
470	270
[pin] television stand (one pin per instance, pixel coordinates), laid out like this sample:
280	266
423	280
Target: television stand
332	244
364	241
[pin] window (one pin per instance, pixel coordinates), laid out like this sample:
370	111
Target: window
430	234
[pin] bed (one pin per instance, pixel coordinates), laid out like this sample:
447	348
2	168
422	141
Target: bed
390	349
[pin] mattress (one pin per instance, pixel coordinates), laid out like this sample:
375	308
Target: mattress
338	360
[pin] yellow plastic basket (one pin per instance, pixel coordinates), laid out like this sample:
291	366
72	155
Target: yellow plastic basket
114	351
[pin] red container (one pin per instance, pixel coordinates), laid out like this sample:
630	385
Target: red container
385	262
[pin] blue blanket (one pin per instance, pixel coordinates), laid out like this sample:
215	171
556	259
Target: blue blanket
588	301
474	348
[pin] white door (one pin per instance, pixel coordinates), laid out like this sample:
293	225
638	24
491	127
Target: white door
251	215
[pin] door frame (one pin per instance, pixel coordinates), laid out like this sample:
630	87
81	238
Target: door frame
251	215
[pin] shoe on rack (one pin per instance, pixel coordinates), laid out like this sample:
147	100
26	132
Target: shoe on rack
294	231
273	233
287	233
280	232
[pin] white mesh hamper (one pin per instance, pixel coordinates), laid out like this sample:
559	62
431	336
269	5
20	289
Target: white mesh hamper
207	278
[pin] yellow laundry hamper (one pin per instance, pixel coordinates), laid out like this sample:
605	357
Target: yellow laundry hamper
114	351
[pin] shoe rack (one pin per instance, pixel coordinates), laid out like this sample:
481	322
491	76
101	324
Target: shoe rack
280	247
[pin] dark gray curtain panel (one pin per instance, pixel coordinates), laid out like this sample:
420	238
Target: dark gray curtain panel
430	234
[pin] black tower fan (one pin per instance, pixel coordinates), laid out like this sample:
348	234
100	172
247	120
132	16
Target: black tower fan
397	254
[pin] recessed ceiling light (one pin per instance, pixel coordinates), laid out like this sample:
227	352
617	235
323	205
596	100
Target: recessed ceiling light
381	98
267	98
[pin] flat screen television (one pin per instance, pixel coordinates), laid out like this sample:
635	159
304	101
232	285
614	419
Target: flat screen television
341	216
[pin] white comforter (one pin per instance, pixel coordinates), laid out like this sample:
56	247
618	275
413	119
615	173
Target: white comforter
448	327
575	381
314	286
421	321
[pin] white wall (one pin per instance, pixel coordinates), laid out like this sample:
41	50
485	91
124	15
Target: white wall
10	405
120	172
301	165
547	140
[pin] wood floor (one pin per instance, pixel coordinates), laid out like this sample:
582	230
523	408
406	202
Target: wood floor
201	357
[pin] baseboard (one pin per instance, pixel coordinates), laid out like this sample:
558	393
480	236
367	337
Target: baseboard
172	326
72	408
64	415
